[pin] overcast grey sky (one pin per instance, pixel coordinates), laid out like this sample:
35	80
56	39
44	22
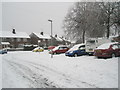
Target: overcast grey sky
33	16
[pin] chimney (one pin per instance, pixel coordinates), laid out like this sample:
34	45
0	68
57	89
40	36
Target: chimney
41	33
13	31
56	35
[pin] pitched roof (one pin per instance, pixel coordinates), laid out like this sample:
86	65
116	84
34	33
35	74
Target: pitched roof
58	38
8	34
44	36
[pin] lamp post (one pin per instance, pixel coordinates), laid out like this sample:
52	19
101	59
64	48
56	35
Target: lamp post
39	43
51	36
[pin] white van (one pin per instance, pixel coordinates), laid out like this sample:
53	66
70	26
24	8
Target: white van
93	43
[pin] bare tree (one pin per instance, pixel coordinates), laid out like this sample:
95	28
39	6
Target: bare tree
108	8
84	19
116	18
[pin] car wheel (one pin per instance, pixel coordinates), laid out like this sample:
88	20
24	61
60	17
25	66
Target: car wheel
113	55
55	53
75	55
52	53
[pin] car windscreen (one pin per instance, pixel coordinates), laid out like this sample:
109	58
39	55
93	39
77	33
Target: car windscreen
91	41
104	46
74	48
56	48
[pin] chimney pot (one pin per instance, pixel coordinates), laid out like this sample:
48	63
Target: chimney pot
41	33
13	31
56	35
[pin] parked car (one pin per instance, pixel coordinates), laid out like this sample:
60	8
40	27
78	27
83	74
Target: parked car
59	49
3	51
108	50
76	50
45	48
51	47
38	49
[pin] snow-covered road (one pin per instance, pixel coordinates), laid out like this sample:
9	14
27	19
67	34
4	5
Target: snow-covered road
26	69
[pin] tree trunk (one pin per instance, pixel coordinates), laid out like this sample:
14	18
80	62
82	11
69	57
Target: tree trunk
83	36
108	26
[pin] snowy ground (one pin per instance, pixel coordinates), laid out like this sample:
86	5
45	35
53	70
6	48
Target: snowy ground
26	69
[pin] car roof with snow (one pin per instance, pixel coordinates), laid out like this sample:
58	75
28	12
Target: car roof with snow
106	45
59	46
75	47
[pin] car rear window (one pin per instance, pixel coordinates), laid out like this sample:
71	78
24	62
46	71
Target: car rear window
115	46
104	46
119	46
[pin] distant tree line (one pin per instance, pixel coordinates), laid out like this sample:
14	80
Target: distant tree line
92	19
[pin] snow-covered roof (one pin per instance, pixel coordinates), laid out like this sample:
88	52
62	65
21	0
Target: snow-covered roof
106	45
58	39
9	34
44	36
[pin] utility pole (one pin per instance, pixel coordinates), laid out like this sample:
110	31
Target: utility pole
51	36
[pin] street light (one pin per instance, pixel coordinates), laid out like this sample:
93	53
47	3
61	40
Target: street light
39	43
51	36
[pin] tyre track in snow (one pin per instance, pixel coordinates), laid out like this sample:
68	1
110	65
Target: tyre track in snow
38	81
65	77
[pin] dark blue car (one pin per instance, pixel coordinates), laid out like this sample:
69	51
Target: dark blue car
3	51
76	50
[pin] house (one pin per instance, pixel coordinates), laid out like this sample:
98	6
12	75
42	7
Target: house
40	39
13	39
57	40
65	41
60	40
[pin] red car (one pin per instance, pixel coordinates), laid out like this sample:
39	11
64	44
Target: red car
108	50
59	49
51	47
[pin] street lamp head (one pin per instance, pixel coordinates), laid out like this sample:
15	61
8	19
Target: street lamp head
50	20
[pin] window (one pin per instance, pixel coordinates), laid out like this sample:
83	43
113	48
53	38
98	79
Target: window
25	39
115	46
64	47
91	41
18	39
44	40
60	48
119	46
12	39
82	47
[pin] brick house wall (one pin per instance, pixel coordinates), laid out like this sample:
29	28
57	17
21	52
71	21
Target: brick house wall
34	40
16	42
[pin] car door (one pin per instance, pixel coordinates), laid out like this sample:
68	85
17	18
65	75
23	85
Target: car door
65	49
60	50
81	50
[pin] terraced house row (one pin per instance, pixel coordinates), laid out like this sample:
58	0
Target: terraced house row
15	39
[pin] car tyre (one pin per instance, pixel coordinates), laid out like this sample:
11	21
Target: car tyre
113	55
75	55
55	53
